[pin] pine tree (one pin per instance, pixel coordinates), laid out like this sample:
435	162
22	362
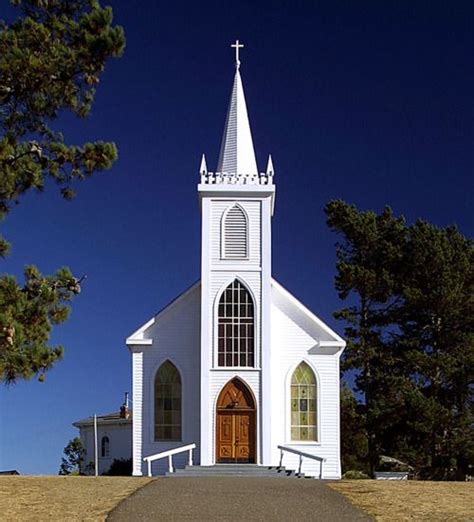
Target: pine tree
71	463
436	324
410	336
354	448
368	260
51	59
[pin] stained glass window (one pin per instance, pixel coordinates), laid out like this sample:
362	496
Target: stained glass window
303	404
167	402
235	327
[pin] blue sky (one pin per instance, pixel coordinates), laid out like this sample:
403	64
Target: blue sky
371	102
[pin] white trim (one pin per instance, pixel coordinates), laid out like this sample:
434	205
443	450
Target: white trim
289	375
268	361
137	335
226	267
239	192
236	368
137	398
139	342
206	337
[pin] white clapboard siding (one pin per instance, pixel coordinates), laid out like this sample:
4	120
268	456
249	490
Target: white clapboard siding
176	336
291	344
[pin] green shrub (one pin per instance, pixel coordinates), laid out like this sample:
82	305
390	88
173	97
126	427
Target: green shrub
120	468
354	474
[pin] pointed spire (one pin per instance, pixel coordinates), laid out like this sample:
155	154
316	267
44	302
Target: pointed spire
203	167
270	170
237	153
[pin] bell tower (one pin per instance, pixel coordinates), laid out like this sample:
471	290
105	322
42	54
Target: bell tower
237	203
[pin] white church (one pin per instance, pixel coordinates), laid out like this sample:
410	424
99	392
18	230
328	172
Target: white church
236	365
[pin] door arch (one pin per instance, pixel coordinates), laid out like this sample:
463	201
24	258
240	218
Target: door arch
235	424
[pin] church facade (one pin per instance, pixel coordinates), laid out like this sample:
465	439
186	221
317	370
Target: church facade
236	364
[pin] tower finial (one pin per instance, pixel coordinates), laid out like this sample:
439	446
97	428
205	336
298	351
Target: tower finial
237	46
203	167
270	170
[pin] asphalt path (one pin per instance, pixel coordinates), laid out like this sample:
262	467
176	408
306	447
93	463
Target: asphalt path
236	499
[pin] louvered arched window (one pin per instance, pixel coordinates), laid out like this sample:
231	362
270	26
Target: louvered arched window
303	404
167	402
235	234
235	327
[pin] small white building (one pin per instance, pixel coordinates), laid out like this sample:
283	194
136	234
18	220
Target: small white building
236	364
114	439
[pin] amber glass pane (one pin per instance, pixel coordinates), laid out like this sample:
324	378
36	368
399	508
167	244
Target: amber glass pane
168	402
303	375
303	404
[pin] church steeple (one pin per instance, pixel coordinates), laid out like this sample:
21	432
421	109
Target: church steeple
237	154
237	165
236	207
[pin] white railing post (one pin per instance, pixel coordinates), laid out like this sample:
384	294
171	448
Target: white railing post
190	461
169	454
301	455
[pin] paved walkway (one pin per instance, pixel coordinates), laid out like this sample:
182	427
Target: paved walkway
236	498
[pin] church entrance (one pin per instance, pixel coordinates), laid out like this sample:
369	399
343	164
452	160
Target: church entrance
235	424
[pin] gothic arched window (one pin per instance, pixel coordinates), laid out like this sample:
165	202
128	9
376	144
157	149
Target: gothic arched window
105	447
235	327
234	233
167	402
303	404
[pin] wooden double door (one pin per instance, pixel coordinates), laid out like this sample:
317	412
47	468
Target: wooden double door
235	424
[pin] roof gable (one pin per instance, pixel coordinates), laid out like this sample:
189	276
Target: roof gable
324	336
301	315
139	337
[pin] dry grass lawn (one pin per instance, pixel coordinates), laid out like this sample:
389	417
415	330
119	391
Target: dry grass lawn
389	500
63	498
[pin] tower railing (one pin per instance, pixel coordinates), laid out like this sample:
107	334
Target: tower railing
231	178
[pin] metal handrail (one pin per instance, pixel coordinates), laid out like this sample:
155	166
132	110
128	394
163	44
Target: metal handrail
302	454
169	454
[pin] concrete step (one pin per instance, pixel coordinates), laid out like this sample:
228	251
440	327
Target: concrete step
234	470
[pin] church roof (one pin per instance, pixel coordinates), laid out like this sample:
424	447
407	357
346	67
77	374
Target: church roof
237	154
110	418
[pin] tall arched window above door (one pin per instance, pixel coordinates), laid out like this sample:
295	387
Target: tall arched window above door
303	404
167	402
235	233
236	327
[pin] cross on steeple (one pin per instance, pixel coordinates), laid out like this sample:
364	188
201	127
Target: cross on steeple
237	46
